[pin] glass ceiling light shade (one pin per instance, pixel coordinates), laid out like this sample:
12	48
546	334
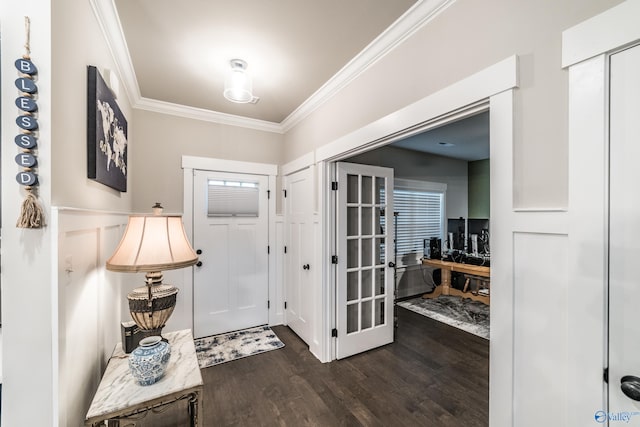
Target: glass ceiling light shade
238	86
152	243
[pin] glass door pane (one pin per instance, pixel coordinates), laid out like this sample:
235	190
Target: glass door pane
365	294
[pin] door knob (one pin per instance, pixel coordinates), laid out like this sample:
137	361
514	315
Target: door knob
630	386
199	251
305	267
199	264
392	264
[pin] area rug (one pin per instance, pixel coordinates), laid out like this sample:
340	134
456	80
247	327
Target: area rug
222	348
465	314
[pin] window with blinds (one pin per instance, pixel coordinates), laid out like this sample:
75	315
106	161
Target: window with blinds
420	209
232	198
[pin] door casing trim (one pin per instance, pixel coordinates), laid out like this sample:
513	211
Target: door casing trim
493	86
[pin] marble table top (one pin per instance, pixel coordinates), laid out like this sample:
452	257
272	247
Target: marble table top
118	390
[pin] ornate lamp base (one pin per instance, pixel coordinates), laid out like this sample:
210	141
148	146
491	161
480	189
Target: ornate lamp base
151	306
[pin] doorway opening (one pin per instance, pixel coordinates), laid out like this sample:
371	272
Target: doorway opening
492	87
439	170
442	192
443	163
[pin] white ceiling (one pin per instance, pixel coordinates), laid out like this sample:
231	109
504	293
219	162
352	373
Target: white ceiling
465	139
174	56
180	50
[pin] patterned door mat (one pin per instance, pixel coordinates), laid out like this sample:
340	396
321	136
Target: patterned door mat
465	314
222	348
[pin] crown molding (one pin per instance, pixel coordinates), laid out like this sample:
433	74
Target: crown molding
107	17
206	115
411	21
404	27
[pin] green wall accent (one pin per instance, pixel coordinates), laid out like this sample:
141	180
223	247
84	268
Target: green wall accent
479	188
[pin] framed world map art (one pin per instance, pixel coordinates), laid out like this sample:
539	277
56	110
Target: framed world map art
106	135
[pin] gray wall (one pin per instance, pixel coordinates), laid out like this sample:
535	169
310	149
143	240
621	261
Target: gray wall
419	166
162	140
463	39
77	41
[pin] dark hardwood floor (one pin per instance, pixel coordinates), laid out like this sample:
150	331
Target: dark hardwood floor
432	375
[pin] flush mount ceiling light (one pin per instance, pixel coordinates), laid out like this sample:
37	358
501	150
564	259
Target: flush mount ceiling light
238	86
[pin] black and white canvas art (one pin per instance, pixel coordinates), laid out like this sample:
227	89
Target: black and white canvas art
106	136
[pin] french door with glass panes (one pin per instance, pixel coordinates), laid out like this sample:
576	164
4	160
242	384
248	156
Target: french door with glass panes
365	288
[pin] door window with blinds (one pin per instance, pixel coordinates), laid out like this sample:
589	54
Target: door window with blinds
419	206
232	198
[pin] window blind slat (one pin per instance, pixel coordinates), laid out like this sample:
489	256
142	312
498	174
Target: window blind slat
420	216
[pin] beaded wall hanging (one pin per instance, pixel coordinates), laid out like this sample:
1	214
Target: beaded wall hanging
31	214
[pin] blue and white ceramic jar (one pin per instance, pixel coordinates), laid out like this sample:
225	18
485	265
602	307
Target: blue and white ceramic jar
149	360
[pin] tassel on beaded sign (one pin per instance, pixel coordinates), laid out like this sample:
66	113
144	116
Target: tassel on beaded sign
31	214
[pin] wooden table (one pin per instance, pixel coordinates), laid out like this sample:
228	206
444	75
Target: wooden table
447	267
120	397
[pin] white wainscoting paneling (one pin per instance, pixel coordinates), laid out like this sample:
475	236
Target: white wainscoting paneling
540	329
79	347
91	305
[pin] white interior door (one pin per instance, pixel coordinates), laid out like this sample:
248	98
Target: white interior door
300	269
624	237
365	248
230	228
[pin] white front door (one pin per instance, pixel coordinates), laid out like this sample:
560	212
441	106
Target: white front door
624	239
365	238
299	238
230	231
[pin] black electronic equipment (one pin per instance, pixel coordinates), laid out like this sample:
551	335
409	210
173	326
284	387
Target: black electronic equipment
476	260
435	248
131	336
473	260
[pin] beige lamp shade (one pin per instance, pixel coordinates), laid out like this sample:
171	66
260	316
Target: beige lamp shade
153	243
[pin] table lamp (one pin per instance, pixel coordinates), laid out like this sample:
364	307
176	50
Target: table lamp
151	244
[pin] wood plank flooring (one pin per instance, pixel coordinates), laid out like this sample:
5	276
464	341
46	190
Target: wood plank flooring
432	375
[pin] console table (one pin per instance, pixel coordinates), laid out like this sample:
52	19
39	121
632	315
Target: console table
120	397
447	267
